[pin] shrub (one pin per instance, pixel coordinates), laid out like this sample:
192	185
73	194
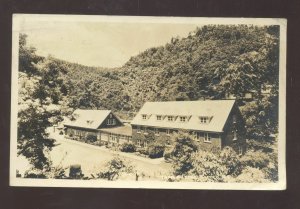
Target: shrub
35	173
255	159
252	175
143	151
114	168
231	161
52	172
91	138
128	147
156	150
181	153
207	167
167	155
61	133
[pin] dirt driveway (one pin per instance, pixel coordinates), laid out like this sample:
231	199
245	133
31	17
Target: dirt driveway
92	158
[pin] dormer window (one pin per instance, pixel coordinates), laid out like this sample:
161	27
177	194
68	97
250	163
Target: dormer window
170	118
144	116
89	122
183	119
205	119
158	117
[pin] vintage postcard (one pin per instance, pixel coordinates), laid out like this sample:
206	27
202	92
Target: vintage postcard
148	102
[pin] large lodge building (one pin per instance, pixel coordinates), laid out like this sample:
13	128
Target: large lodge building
212	124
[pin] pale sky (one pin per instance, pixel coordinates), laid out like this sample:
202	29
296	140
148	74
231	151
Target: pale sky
104	44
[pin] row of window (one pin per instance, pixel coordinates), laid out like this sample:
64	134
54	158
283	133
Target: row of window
206	136
183	119
115	138
156	131
197	135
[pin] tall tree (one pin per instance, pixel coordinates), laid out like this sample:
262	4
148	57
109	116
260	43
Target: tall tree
39	106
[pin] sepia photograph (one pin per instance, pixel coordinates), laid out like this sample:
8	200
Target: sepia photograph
148	102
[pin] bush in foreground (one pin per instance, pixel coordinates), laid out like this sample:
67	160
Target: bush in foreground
156	150
181	152
207	167
114	168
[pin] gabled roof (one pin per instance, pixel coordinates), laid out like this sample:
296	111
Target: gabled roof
90	119
217	110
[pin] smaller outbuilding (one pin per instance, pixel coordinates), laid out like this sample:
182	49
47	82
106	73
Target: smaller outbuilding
97	125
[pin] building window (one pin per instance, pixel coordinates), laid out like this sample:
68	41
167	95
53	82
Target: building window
182	118
234	135
203	120
240	150
158	117
114	138
144	117
199	135
111	122
156	131
170	118
145	130
195	134
138	129
168	132
234	118
145	144
207	137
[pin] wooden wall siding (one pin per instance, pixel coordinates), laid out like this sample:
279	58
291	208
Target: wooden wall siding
110	116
